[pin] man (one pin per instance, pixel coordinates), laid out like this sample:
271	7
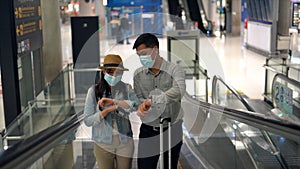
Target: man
125	28
159	85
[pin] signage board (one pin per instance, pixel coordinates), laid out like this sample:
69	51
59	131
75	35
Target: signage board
183	49
283	98
29	26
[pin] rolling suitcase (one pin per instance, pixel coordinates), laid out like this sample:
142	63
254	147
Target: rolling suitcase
161	142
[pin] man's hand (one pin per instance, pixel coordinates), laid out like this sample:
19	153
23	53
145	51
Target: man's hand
143	108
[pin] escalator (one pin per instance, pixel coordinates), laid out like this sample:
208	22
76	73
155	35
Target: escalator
195	11
221	141
223	134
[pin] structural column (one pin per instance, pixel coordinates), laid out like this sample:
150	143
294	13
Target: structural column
8	62
85	8
235	19
52	53
100	11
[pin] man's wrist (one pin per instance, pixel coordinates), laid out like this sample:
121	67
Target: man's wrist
148	102
116	102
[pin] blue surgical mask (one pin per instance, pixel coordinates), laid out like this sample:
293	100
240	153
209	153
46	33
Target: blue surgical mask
111	80
147	60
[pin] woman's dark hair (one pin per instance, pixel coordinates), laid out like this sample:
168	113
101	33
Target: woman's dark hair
147	39
101	87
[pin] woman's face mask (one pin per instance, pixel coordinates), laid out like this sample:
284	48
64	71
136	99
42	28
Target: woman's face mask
146	60
112	80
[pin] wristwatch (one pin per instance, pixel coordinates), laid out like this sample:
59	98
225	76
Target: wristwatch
116	103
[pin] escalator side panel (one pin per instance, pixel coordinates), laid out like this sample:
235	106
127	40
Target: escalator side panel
220	151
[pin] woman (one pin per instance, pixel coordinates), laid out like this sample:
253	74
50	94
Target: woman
107	108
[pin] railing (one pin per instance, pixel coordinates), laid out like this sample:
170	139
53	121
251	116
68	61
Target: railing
52	105
1	139
46	114
31	149
278	65
198	72
266	135
231	89
26	152
255	119
286	97
233	121
37	146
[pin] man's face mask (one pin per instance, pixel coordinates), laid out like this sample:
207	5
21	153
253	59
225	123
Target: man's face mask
111	80
146	60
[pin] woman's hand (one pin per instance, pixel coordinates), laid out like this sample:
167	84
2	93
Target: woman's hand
109	109
104	102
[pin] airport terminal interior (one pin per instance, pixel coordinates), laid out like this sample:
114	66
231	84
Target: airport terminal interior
241	58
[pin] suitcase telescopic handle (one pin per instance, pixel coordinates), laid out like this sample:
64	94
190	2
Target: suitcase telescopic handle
162	120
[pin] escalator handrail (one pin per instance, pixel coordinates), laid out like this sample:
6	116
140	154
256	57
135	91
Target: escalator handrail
27	151
266	135
12	126
201	6
243	100
65	69
258	120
